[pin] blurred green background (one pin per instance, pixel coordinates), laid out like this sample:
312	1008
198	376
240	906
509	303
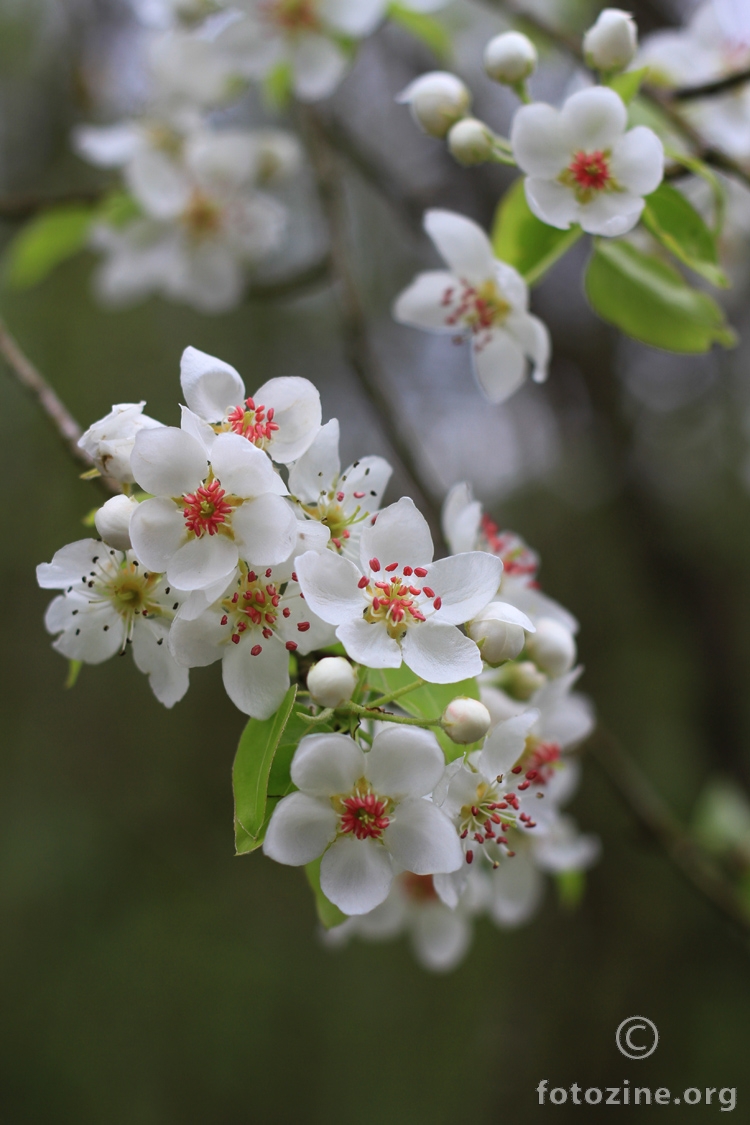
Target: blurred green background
147	975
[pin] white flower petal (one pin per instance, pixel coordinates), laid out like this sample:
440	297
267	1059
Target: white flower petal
370	644
421	305
404	762
499	364
108	146
517	889
506	743
551	202
168	680
466	583
297	412
95	634
265	530
167	461
461	518
369	475
318	65
199	429
356	875
199	641
211	387
534	339
540	140
330	586
201	562
158	182
352	19
400	534
441	937
256	684
612	213
300	829
327	764
638	161
318	635
463	244
157	531
244	469
440	653
594	119
71	563
422	839
318	467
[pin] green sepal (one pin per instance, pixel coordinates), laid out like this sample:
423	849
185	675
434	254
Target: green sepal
673	220
571	887
74	668
628	83
328	914
525	242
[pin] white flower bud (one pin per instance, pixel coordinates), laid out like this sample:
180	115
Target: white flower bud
331	681
109	442
552	647
437	100
520	681
470	142
498	639
465	720
510	58
612	42
113	521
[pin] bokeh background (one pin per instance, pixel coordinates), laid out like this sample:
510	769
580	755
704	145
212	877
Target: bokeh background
149	976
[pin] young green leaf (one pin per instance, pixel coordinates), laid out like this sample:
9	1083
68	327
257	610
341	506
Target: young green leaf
328	914
525	242
628	84
424	28
425	702
74	668
673	220
277	87
571	886
45	242
649	300
251	771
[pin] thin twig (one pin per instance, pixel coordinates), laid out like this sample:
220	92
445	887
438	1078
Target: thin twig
354	323
292	286
711	89
654	815
63	421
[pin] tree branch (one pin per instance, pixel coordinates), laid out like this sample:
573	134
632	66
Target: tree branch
63	421
354	323
654	815
306	278
711	89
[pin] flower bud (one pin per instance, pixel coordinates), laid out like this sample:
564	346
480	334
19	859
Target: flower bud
113	521
510	58
470	142
109	442
612	42
331	681
465	720
552	647
498	639
437	100
521	680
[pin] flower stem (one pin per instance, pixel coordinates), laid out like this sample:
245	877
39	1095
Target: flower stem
383	699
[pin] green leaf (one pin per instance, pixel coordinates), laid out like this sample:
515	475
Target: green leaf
425	702
74	668
525	242
424	28
718	190
628	84
299	724
649	300
45	242
118	209
571	886
251	772
277	87
681	230
328	914
643	111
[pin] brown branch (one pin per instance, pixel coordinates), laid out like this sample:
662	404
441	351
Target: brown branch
63	421
657	818
711	89
357	346
306	278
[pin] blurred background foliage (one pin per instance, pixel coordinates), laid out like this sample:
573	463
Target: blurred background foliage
147	975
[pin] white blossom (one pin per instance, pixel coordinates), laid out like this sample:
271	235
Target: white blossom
398	605
479	298
465	720
207	515
109	442
437	101
332	681
581	164
612	42
470	142
552	647
364	813
343	502
113	521
111	602
510	58
282	417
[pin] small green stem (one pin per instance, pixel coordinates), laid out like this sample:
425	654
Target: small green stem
323	717
383	699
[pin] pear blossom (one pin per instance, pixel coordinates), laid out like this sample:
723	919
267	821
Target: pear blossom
206	515
438	101
111	602
611	44
282	417
581	164
109	442
399	605
465	720
439	937
481	299
332	681
342	502
252	628
112	521
510	58
364	813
